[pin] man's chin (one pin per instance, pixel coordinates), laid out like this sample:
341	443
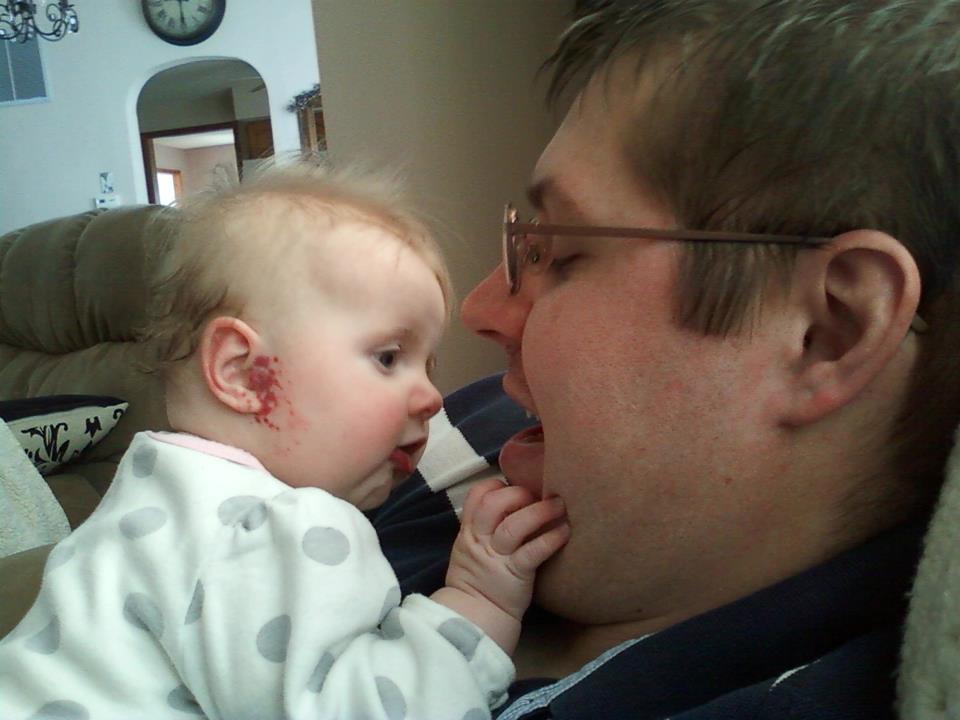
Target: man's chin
521	460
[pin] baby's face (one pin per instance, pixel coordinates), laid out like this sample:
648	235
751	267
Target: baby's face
346	390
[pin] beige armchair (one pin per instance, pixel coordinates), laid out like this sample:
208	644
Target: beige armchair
72	292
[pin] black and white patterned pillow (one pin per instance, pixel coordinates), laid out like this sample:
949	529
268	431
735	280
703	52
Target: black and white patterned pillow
57	428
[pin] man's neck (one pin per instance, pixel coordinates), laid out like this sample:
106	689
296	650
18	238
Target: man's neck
553	647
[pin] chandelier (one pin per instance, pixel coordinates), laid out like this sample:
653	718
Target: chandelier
17	20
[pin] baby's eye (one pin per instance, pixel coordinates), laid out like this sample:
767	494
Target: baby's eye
387	358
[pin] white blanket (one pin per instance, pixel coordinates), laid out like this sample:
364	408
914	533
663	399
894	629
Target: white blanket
930	665
29	513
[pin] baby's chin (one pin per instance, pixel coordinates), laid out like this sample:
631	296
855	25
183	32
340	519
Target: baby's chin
376	489
373	500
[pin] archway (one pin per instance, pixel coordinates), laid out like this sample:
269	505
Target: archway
200	116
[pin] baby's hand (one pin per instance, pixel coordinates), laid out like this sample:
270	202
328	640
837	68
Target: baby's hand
505	535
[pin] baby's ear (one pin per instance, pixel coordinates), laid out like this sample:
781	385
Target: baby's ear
228	348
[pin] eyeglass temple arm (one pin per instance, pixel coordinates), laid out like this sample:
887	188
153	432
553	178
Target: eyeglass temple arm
519	228
918	324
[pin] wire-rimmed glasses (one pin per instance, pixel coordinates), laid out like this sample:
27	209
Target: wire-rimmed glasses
530	244
527	244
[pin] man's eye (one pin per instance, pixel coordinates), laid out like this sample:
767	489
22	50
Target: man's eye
560	266
387	359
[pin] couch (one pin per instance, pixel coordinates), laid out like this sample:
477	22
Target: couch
73	291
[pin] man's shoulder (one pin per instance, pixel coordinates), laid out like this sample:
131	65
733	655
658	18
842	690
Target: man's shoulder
854	682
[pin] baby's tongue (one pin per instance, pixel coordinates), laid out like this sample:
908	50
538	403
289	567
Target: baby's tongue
521	459
401	461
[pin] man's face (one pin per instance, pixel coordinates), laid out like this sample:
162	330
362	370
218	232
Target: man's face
346	381
651	433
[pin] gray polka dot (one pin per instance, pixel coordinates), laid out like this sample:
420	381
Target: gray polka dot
392	699
47	640
320	672
196	605
61	710
462	635
390	602
476	714
60	555
142	522
144	461
273	638
246	510
390	628
326	545
142	612
180	698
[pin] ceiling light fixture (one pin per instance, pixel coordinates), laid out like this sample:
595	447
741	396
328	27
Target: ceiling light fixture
17	23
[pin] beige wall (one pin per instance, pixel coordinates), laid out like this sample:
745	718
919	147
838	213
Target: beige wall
164	113
203	162
169	158
446	90
196	165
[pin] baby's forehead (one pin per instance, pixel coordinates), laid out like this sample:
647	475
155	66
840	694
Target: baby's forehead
274	213
293	218
309	239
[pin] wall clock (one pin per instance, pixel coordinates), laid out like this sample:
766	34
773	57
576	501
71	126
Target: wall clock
183	22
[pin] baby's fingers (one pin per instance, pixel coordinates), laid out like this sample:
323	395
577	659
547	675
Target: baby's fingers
494	506
536	552
516	527
475	497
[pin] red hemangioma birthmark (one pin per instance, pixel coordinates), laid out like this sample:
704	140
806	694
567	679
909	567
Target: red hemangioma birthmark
265	383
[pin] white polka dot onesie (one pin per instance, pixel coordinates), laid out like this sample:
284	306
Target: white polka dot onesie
203	586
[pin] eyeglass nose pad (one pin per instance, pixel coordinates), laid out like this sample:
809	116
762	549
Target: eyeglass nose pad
536	254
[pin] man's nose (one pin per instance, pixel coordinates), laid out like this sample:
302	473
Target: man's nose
492	312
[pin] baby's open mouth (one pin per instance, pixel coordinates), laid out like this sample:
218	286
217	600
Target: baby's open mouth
402	457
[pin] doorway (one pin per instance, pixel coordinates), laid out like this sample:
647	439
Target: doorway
185	160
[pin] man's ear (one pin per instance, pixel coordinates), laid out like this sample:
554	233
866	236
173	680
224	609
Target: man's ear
857	297
228	347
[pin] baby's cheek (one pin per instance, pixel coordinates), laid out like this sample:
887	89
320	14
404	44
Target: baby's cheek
377	422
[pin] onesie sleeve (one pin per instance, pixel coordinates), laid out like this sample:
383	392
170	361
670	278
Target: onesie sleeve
296	614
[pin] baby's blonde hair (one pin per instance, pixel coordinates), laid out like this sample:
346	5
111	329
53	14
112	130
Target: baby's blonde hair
206	264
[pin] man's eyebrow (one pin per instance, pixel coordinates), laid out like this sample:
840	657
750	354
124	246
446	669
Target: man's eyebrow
547	188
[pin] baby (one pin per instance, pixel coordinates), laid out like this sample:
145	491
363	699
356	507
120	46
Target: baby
228	571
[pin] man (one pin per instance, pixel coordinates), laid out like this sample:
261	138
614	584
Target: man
747	430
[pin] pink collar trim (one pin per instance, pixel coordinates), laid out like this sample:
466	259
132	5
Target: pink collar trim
208	447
